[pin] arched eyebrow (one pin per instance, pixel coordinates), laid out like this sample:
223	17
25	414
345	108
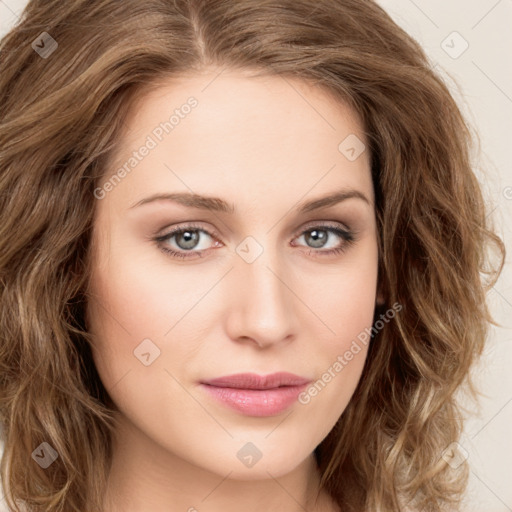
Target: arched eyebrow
217	204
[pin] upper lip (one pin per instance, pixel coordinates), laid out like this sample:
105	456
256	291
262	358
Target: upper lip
255	381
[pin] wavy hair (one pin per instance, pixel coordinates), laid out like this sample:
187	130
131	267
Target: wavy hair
61	117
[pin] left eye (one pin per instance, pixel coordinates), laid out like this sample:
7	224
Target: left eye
187	238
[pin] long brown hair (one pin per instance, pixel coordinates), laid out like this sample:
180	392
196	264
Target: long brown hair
61	114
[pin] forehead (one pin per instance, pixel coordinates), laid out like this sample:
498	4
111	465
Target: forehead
267	137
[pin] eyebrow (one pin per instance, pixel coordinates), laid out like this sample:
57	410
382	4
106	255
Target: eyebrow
216	204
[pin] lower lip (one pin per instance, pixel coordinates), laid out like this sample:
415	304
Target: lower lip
256	402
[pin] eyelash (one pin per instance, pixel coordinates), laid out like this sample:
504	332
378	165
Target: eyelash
348	237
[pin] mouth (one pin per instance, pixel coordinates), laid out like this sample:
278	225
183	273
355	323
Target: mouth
254	395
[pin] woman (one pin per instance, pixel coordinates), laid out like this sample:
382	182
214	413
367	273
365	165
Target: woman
242	248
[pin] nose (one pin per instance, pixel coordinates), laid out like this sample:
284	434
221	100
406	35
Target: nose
262	303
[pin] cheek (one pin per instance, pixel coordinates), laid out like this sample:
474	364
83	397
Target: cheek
144	296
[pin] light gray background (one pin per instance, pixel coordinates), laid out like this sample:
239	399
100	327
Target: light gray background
481	80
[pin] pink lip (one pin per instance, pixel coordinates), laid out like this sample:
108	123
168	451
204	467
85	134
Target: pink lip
256	395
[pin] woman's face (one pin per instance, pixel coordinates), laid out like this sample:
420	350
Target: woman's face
256	285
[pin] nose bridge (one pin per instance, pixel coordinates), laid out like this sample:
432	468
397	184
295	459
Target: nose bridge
262	305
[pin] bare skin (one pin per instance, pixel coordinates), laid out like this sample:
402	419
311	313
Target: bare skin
266	146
